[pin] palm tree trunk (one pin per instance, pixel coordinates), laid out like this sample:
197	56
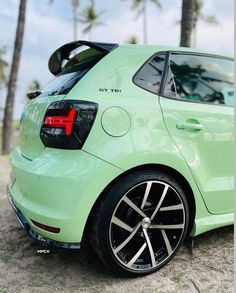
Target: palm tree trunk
186	22
74	23
74	11
145	31
194	32
8	112
90	35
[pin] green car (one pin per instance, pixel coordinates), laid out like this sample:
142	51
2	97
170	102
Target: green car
130	147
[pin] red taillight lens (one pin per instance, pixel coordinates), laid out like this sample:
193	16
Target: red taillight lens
67	124
61	121
46	227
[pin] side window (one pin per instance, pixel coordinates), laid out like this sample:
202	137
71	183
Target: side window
201	78
149	76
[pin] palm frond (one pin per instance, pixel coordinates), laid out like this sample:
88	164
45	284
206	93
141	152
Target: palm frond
157	2
211	19
101	13
198	7
139	13
83	20
89	17
98	23
88	28
132	40
136	4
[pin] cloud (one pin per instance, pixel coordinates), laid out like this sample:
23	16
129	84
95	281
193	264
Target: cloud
49	26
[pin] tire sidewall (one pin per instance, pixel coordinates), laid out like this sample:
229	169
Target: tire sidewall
113	197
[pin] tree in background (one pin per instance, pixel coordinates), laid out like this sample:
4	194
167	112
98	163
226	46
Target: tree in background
34	86
187	22
132	40
3	67
3	77
8	112
198	15
75	6
141	6
90	18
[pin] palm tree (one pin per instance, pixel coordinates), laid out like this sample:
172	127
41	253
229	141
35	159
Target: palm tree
34	86
141	6
3	77
8	112
3	66
75	5
89	18
198	15
186	22
132	40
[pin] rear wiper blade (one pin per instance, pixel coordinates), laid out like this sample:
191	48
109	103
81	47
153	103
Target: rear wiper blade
33	95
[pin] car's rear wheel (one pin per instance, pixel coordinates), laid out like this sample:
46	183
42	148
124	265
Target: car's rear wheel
140	223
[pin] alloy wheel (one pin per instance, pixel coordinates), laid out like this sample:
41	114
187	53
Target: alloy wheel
147	225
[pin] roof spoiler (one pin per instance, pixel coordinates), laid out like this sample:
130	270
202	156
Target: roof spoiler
63	53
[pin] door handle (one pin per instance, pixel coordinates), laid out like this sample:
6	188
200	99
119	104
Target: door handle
187	125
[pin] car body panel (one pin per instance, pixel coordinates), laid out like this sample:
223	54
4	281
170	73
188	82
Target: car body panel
59	187
212	170
211	222
55	190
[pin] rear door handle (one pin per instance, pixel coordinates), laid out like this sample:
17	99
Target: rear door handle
188	125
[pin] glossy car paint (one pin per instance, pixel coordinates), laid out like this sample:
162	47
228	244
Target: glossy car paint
208	152
59	187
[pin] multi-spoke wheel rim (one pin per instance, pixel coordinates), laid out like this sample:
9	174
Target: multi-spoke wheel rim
147	225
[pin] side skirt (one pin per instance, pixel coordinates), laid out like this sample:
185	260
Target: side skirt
211	222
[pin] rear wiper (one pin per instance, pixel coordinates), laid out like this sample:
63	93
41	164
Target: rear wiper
33	95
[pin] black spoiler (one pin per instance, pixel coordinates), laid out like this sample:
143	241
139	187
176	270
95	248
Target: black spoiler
63	53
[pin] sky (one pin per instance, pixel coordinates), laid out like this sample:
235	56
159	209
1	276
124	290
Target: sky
49	25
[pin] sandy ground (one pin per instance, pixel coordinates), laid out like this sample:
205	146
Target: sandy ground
22	269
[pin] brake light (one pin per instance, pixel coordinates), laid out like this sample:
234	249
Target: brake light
67	124
61	121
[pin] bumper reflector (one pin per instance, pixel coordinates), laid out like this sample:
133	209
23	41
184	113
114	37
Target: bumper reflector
45	227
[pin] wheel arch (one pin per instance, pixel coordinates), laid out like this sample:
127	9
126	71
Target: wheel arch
154	167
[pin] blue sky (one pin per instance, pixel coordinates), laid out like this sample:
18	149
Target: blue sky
48	26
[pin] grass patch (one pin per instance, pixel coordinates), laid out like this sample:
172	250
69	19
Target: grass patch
5	257
4	291
176	278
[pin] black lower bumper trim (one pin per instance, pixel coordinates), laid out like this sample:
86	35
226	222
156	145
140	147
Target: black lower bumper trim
35	235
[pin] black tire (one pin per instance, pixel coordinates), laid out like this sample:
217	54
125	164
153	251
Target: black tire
109	236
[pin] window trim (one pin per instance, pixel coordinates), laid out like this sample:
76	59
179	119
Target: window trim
165	72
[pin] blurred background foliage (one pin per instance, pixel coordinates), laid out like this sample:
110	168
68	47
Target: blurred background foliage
87	19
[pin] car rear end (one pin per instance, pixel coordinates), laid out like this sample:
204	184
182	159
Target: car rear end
52	187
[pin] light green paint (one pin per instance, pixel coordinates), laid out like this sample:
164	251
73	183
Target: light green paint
59	187
209	151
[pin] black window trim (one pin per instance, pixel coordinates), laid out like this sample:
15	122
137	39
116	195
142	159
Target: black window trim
165	73
146	62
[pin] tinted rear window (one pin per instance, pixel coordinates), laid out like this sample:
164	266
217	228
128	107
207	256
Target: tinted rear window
67	79
149	76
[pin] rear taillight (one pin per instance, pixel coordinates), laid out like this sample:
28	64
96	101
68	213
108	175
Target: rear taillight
67	124
61	121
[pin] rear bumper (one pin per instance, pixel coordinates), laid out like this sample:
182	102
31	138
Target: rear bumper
45	241
58	189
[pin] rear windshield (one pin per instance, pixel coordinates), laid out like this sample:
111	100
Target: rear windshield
69	77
